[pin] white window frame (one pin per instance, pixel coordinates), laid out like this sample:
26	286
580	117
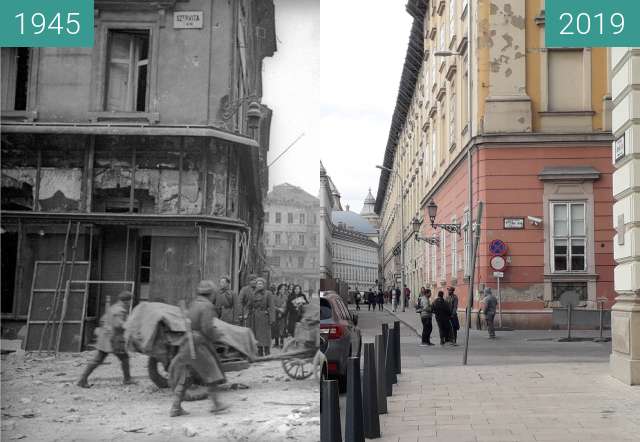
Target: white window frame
454	250
466	238
570	237
443	255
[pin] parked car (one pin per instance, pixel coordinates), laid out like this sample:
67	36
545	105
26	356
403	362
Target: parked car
340	327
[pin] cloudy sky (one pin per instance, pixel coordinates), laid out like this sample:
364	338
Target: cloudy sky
338	88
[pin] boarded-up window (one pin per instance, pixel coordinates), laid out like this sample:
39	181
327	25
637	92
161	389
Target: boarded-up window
566	80
127	71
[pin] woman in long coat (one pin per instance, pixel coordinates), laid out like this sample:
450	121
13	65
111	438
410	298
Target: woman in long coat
280	306
261	316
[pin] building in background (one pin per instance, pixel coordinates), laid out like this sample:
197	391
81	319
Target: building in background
152	144
292	236
537	121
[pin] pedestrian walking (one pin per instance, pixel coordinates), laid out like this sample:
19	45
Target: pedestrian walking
357	300
442	312
110	336
244	296
407	296
371	300
452	300
394	298
423	307
226	303
262	315
280	307
380	299
203	361
490	304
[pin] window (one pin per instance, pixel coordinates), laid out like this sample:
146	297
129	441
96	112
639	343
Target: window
314	239
454	250
452	19
452	117
9	252
568	237
15	78
434	152
302	218
559	288
466	236
290	218
314	219
566	80
278	218
464	111
127	71
144	270
274	261
301	239
443	255
443	130
266	217
434	263
300	262
427	254
278	238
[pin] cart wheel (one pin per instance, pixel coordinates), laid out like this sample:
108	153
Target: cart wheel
297	368
157	373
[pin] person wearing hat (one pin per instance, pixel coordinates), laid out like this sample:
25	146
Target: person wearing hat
244	296
261	316
490	304
110	339
452	300
226	303
205	364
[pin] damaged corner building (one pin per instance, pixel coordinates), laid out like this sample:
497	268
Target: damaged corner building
138	164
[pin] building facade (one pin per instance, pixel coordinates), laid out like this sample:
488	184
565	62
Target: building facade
486	112
292	236
142	159
355	259
625	318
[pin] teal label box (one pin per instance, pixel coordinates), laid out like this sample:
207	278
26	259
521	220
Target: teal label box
592	23
46	23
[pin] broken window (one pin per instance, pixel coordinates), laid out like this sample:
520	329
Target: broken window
9	251
112	175
19	169
15	78
127	71
144	269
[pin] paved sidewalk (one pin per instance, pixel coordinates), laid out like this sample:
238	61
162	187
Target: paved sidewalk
524	386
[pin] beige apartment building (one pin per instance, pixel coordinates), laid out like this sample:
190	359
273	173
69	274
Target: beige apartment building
478	79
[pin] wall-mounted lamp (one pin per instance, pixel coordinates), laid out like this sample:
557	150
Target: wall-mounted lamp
415	224
432	209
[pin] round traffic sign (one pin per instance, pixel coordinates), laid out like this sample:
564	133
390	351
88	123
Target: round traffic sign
498	263
497	247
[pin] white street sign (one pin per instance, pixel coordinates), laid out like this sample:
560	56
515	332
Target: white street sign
498	274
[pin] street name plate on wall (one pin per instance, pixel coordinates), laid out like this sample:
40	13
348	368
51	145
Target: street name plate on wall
619	148
187	20
514	223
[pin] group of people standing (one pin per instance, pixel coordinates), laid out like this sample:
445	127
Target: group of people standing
373	299
446	312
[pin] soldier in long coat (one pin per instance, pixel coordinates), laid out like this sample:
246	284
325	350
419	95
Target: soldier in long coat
280	306
261	316
244	296
226	303
111	339
206	364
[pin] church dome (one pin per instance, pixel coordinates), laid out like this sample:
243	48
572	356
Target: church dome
369	204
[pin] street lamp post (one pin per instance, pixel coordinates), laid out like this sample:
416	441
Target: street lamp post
401	182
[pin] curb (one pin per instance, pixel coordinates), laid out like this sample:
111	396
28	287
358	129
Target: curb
412	327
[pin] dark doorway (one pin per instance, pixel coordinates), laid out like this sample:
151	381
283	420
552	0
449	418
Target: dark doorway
9	253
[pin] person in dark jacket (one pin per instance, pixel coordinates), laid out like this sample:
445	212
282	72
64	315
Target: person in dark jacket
452	300
380	299
111	339
226	303
442	312
356	298
205	364
244	296
371	300
262	315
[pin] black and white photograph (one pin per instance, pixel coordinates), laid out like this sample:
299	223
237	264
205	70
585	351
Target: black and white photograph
159	242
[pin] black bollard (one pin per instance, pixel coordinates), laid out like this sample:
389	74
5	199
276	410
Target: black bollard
385	331
389	364
370	394
396	328
382	380
354	431
330	426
